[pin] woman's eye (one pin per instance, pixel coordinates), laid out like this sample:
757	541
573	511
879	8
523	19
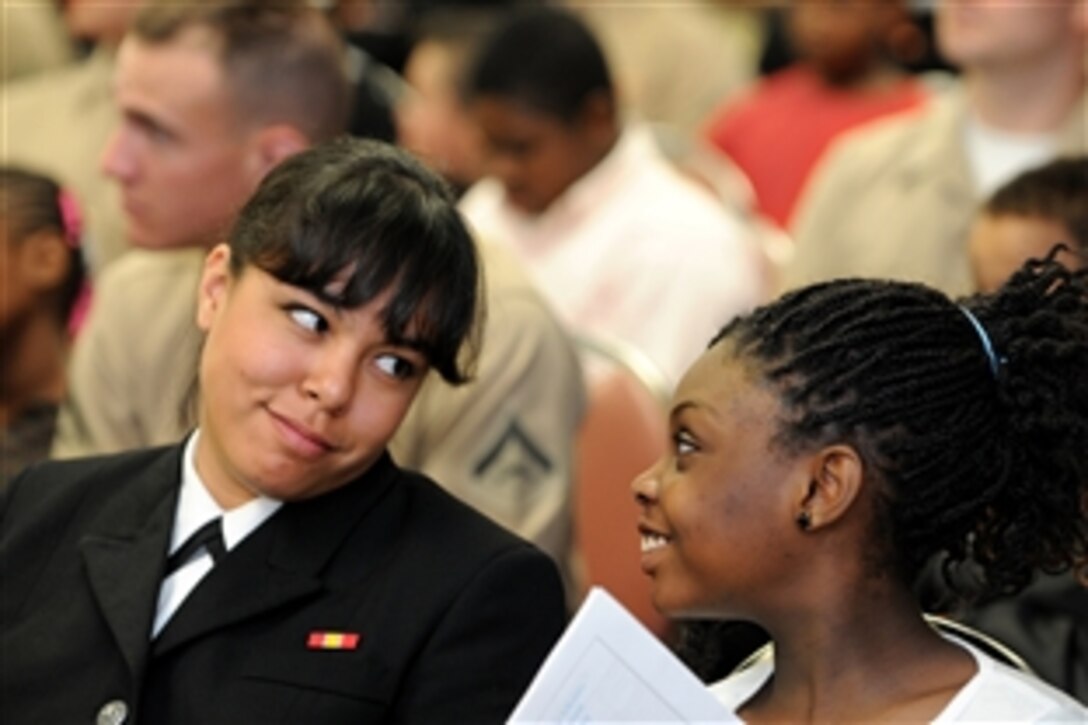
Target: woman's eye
396	366
683	443
307	318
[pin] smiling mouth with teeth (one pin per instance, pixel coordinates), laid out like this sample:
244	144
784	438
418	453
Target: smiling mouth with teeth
651	542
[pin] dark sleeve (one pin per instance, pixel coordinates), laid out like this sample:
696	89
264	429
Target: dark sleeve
489	644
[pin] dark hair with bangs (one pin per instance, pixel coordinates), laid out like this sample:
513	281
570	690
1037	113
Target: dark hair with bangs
973	437
370	209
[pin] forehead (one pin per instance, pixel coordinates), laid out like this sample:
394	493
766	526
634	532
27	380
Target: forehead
502	117
431	66
376	307
728	387
1000	244
1013	233
178	79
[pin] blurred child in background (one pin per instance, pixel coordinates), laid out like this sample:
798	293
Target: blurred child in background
42	274
1027	216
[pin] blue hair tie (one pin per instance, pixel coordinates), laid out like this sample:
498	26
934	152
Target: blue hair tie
987	344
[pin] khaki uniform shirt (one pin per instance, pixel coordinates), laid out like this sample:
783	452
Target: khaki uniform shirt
58	124
896	200
34	39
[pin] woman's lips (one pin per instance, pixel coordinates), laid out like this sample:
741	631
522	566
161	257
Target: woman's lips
302	440
651	542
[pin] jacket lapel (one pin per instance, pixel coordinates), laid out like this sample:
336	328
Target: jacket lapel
280	563
125	552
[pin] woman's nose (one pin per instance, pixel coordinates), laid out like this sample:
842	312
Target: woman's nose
645	485
332	380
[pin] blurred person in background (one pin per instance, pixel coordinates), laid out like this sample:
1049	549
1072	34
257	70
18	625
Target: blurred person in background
843	75
35	40
620	243
712	50
433	118
58	122
896	199
1027	216
41	282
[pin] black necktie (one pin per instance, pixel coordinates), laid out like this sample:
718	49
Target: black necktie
209	536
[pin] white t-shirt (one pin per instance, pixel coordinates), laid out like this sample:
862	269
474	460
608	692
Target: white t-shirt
632	250
996	694
996	156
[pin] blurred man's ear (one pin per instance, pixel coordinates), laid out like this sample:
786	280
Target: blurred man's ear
598	121
275	143
599	110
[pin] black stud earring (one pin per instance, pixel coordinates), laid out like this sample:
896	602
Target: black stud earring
803	520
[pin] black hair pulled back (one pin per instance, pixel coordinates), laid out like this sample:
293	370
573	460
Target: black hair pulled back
975	438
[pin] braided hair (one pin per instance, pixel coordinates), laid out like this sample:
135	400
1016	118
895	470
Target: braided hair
971	421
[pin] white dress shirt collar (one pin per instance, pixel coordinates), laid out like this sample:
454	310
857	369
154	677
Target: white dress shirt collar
196	506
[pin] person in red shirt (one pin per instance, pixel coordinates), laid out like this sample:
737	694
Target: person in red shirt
843	76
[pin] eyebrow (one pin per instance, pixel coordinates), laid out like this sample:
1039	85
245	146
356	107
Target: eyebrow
148	122
336	303
412	343
409	341
681	407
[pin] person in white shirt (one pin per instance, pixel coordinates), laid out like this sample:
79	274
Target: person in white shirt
621	243
996	693
829	444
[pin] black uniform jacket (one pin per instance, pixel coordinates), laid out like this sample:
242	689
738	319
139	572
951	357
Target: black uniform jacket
446	616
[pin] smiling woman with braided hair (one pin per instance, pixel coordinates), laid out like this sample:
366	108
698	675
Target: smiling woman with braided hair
829	444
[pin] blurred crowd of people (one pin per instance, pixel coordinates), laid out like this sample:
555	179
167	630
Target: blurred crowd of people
640	174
